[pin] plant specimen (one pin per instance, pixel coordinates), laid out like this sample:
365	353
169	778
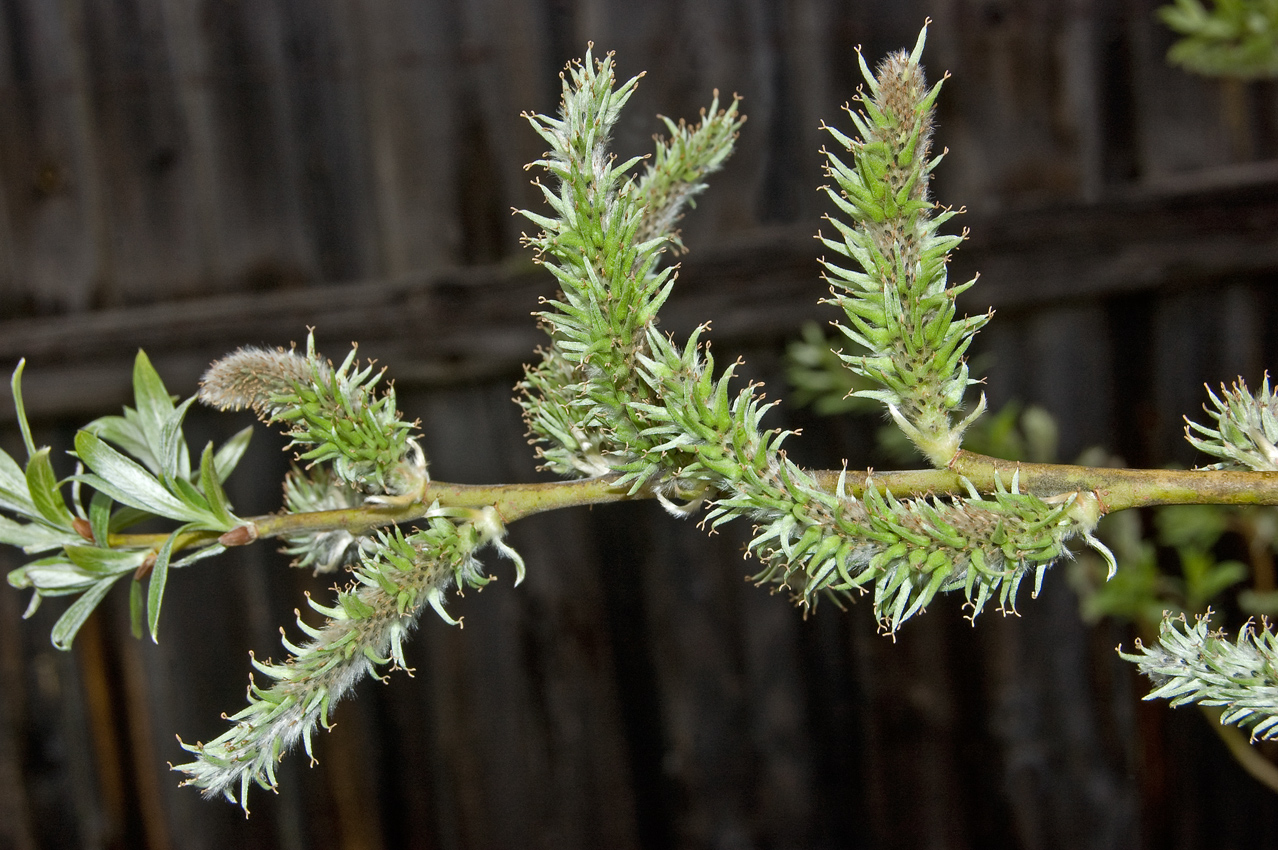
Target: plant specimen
622	411
1234	38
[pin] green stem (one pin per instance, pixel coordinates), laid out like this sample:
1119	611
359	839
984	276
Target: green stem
188	540
512	502
1117	489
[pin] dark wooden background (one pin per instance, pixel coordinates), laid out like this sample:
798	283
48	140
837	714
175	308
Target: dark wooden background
192	175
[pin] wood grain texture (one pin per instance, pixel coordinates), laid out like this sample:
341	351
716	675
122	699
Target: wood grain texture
473	323
191	176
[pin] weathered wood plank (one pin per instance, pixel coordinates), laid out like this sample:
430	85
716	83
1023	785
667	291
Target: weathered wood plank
48	172
1019	113
1071	361
635	692
1060	779
17	826
1189	334
326	130
1181	121
505	64
525	716
149	215
236	67
403	53
472	323
1143	243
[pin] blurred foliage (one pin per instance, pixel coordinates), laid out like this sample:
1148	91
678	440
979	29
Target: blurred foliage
1234	38
818	376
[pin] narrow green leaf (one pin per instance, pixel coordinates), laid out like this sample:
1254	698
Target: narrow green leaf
17	502
33	537
100	519
136	608
42	483
228	456
186	491
211	484
155	587
125	481
153	403
15	384
92	559
175	459
13	487
52	576
199	555
126	517
149	392
64	631
126	433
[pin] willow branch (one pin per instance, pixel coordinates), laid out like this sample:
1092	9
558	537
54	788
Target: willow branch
1117	489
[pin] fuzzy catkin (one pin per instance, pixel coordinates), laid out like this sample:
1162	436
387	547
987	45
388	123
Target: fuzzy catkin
256	377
